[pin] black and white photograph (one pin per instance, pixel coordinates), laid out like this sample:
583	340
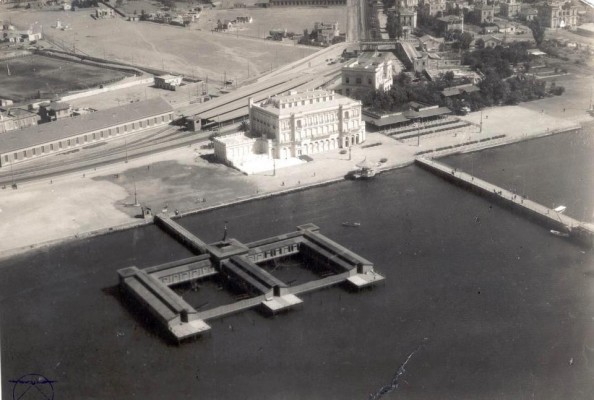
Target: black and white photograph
297	199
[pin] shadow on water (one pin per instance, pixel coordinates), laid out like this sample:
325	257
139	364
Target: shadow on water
140	316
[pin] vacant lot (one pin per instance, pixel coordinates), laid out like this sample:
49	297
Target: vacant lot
294	19
33	74
179	50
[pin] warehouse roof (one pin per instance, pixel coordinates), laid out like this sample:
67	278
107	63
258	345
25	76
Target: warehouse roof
68	127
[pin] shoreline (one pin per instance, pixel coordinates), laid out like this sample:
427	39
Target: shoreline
5	254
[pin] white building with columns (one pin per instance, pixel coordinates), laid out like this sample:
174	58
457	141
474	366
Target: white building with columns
296	124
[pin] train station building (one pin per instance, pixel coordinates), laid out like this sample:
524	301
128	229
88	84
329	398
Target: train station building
79	131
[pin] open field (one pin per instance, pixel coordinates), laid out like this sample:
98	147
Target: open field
179	50
294	19
34	73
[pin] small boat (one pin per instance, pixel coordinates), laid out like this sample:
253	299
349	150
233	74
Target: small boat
351	224
560	209
365	170
557	233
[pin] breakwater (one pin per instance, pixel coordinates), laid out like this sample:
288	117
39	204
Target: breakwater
563	225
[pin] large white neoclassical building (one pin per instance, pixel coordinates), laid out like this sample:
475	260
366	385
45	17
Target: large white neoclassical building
292	125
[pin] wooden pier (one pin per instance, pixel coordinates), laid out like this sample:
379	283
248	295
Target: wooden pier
578	231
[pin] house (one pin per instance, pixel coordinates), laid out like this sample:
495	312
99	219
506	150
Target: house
449	22
528	13
430	43
54	111
558	14
492	42
224	25
168	82
16	118
483	14
510	8
66	6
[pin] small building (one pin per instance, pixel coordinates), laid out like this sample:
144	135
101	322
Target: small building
430	43
54	111
449	23
459	90
224	25
325	32
528	13
104	12
168	82
66	6
492	42
16	118
244	20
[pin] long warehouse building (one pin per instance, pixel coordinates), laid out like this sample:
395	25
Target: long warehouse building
69	133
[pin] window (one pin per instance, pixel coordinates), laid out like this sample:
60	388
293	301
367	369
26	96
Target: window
25	154
77	141
60	144
68	142
358	80
5	158
42	149
162	119
86	139
52	147
118	130
347	80
16	156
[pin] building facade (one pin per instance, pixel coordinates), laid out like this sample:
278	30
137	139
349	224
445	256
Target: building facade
558	15
168	82
16	118
433	7
484	14
511	8
293	125
370	72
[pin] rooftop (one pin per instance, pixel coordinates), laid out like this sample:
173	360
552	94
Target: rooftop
65	128
369	61
310	100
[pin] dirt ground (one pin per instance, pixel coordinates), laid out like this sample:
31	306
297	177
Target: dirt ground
188	51
34	73
264	19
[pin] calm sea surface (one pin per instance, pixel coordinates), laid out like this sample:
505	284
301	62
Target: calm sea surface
497	306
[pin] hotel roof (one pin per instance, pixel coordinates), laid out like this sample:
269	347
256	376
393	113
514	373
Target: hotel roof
369	61
78	125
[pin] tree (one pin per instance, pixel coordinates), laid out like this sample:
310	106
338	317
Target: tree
244	126
393	26
538	31
448	77
480	43
465	40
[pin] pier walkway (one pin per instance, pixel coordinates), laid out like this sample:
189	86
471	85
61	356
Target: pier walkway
579	231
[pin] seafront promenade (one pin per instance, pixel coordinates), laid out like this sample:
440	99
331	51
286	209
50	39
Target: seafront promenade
186	180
